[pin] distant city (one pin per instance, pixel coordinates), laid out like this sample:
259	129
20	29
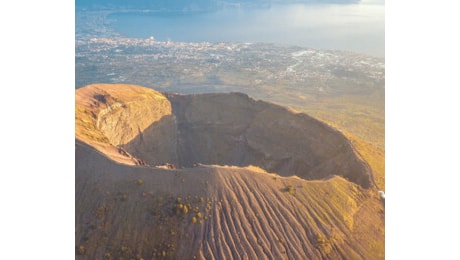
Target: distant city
343	87
103	55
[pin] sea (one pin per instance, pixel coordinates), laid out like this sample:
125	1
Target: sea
356	27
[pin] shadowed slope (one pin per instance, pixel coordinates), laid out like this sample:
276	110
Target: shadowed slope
234	129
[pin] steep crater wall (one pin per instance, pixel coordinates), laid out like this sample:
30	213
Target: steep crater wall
225	129
234	129
124	210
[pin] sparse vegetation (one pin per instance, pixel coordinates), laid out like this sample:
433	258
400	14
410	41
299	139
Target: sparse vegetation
281	240
102	211
125	251
289	189
323	244
107	256
181	209
80	250
164	213
122	196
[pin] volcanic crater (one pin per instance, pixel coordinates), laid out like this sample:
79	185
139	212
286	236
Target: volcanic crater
216	176
232	129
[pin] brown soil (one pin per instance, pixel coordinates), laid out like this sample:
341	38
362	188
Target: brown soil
216	176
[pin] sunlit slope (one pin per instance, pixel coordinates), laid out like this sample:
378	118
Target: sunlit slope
110	115
130	204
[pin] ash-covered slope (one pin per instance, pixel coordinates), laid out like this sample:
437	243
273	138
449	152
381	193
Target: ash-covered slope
234	129
127	206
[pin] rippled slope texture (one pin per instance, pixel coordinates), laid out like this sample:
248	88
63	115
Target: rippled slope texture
216	176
